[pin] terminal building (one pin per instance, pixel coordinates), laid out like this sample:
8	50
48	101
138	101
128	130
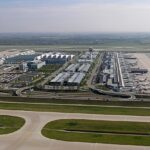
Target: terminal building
21	57
119	71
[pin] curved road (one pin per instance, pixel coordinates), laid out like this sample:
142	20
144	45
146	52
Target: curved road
30	138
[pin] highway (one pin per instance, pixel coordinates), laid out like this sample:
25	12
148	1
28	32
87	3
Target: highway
29	136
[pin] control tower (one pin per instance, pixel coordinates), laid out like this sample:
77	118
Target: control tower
91	51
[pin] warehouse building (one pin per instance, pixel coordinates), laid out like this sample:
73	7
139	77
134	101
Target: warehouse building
84	68
60	79
72	68
76	79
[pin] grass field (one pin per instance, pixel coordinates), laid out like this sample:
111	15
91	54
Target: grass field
76	109
48	69
69	101
112	132
9	124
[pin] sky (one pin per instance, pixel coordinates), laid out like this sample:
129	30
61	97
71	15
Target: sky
74	16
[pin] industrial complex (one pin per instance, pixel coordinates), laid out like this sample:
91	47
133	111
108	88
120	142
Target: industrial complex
22	68
57	70
72	76
124	72
118	72
108	84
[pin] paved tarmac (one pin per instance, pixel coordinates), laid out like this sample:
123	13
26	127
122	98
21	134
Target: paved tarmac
29	136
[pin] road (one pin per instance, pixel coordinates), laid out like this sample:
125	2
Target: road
29	137
19	91
70	95
94	71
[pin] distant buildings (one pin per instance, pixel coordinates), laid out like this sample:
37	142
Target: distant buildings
74	74
23	67
48	58
72	68
34	65
122	72
68	79
76	79
21	57
54	58
88	57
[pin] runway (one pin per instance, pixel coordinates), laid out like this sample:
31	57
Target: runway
29	136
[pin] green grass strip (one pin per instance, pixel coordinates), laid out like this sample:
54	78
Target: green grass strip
76	109
110	132
9	124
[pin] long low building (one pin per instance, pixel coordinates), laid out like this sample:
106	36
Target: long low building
84	68
69	67
76	79
60	79
72	68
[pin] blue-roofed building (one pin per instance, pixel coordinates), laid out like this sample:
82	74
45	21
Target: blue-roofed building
20	58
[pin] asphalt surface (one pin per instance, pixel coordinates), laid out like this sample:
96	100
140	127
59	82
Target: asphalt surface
29	136
74	96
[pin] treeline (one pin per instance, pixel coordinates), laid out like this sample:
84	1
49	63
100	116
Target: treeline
72	39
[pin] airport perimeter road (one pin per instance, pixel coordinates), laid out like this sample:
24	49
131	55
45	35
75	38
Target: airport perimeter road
30	138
